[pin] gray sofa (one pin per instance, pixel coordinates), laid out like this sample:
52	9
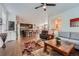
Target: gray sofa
72	37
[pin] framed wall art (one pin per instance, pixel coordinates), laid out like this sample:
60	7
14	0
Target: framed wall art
11	25
74	22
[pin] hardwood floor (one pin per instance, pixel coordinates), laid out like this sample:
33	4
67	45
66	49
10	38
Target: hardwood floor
14	48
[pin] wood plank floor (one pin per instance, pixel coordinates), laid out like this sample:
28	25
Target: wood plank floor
14	48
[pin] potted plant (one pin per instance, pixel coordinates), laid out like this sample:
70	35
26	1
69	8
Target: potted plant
58	41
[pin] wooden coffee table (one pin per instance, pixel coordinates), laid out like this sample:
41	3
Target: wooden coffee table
64	48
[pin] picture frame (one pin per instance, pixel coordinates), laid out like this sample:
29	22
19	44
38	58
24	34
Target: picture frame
11	25
74	22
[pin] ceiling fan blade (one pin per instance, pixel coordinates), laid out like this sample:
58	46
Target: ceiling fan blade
42	3
38	6
48	4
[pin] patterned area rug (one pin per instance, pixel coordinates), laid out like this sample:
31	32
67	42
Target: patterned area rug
53	53
40	52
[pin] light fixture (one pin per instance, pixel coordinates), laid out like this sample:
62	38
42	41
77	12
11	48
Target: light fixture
44	7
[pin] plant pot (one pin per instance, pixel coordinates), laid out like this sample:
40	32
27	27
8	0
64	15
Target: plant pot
58	42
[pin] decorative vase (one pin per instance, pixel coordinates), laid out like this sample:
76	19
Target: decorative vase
3	37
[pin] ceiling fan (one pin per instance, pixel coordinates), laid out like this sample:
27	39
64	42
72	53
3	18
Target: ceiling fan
44	5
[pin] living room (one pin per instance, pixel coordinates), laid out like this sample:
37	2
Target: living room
30	24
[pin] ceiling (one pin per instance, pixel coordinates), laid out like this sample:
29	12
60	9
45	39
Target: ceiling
38	16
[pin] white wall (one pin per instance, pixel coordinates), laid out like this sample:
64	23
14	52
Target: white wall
0	17
66	16
7	16
11	34
0	25
0	11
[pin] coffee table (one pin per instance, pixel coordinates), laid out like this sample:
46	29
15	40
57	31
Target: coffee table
64	49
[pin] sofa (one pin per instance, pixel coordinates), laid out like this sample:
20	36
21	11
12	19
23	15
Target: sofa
72	37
